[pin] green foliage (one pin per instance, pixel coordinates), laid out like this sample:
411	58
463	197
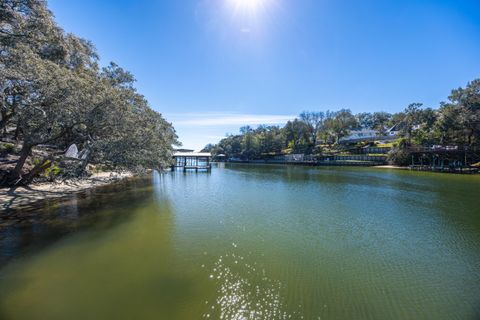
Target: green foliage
52	172
454	123
399	157
401	143
7	147
52	91
341	124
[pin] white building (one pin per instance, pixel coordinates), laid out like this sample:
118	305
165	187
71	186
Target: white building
364	134
369	134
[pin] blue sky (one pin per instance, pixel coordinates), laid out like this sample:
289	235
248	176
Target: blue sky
211	66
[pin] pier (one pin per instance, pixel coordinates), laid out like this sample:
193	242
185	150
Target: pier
192	161
448	159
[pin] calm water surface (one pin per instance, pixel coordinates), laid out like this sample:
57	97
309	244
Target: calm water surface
250	242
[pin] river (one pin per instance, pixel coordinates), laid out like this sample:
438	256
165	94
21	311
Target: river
250	242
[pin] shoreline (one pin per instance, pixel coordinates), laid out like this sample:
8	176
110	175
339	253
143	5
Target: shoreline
361	164
389	166
17	198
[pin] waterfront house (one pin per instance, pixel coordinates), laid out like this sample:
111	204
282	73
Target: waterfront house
370	135
360	135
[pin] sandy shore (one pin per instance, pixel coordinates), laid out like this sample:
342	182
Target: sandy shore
391	167
23	196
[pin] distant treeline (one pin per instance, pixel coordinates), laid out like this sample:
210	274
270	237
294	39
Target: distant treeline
53	92
456	122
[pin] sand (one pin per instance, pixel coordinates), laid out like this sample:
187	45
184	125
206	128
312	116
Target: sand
24	196
391	167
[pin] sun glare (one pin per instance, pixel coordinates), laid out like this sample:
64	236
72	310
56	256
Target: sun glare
248	4
251	6
251	17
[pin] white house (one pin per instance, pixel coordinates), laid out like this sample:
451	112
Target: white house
370	134
364	134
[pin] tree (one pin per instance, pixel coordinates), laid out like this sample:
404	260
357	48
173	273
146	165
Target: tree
209	148
468	102
246	129
365	120
410	120
52	92
380	122
455	122
249	143
271	140
53	105
341	124
448	124
314	121
297	134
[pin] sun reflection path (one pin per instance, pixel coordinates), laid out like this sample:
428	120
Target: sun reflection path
241	299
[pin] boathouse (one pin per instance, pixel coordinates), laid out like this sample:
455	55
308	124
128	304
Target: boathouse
192	161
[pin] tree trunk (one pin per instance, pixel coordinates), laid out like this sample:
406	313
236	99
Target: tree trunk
85	162
24	153
470	137
4	121
7	116
17	133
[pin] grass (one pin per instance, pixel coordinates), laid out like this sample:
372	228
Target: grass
7	147
384	145
377	154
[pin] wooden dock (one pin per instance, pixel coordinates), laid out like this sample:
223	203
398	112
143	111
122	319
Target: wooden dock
445	169
197	161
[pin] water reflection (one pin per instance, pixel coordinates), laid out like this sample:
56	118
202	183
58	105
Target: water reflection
244	291
28	230
251	242
92	272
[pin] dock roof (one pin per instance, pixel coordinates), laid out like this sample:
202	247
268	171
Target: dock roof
192	154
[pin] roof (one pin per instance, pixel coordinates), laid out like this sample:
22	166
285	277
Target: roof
394	128
192	154
352	132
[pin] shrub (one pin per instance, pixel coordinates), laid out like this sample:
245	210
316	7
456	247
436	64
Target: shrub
400	157
7	147
52	172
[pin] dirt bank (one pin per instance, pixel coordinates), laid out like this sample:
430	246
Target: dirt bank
23	196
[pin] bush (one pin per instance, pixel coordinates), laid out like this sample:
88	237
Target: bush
399	157
52	172
7	147
401	143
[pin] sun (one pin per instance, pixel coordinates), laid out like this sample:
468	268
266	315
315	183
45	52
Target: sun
248	5
251	17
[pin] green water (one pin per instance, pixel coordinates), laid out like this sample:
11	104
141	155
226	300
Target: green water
250	242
